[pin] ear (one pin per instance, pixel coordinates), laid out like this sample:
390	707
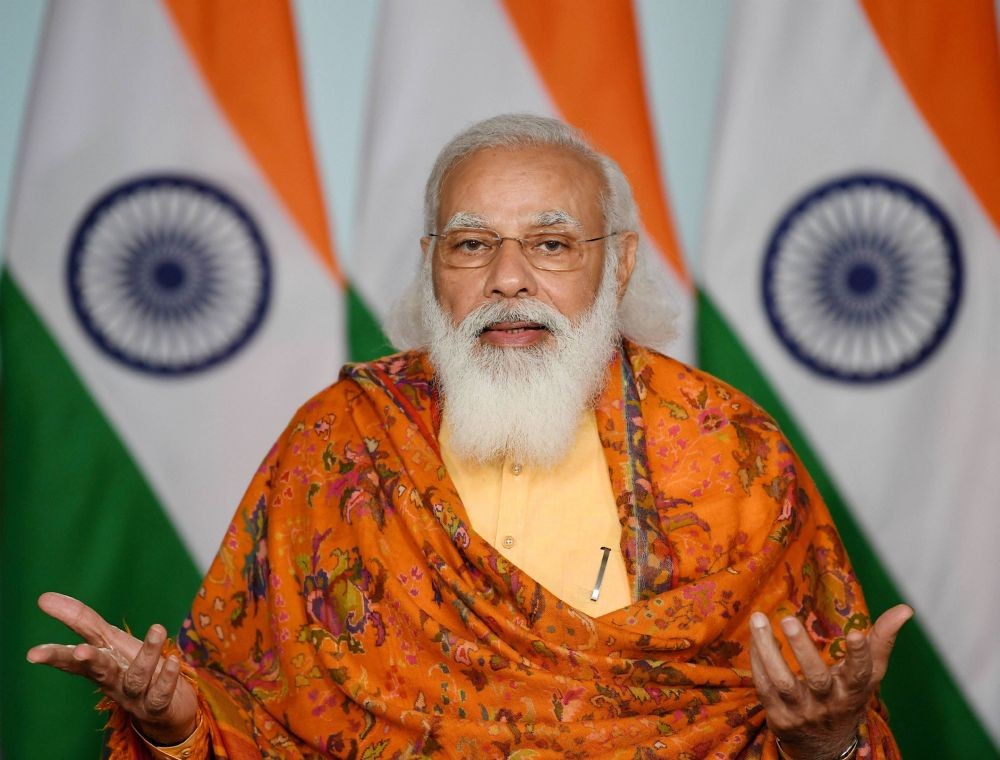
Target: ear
626	259
425	245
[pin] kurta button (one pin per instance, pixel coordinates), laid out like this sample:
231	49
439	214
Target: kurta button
516	469
508	542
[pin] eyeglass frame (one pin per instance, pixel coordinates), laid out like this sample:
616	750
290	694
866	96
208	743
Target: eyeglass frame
520	242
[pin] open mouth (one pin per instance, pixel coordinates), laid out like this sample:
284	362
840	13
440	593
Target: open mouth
514	328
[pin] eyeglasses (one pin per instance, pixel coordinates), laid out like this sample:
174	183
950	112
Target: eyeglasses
477	247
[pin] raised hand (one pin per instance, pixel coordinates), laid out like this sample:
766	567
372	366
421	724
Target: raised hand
816	715
163	706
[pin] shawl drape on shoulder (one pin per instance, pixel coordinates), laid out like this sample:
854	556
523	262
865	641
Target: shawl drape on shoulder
351	611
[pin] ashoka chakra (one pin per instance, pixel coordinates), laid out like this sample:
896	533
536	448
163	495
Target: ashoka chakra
862	278
169	274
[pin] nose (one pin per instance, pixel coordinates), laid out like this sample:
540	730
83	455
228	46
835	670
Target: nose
510	275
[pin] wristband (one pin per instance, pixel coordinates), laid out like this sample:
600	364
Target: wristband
847	754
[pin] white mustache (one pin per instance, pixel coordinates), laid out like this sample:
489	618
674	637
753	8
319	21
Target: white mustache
523	311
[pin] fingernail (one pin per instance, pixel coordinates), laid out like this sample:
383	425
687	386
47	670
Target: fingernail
788	625
758	620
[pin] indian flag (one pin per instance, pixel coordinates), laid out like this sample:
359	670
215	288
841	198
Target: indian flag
170	296
439	67
851	271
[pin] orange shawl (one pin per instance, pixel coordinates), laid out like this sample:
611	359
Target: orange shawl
351	612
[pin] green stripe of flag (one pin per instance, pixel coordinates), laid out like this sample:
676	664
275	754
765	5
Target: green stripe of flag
77	517
365	339
928	714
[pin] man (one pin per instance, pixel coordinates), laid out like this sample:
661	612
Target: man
535	538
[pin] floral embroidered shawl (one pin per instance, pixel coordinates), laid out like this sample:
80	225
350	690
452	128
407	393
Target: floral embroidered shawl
351	612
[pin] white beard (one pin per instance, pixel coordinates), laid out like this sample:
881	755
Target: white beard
525	403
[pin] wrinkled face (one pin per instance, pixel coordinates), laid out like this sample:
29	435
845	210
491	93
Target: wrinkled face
518	192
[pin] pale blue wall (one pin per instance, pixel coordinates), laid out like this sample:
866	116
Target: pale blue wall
20	25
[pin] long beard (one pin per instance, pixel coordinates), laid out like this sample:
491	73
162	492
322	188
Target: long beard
525	403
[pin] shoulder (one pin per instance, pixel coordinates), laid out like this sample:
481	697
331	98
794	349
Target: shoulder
401	368
360	391
405	368
406	379
711	417
709	438
664	376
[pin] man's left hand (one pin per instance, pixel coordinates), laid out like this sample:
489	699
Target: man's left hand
816	715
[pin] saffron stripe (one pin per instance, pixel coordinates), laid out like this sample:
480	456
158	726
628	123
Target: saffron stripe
957	88
587	55
249	59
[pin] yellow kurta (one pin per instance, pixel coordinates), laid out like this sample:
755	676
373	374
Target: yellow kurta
551	523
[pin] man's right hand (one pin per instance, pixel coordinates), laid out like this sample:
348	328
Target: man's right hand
163	706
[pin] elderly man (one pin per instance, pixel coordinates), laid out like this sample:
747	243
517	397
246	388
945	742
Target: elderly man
531	538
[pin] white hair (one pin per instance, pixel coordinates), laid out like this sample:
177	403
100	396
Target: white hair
644	314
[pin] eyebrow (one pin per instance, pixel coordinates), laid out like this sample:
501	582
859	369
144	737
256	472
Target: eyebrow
557	218
551	218
466	219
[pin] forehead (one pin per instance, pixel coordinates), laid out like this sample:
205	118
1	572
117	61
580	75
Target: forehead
519	185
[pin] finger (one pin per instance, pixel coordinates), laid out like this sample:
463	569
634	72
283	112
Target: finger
758	673
777	710
79	659
817	675
88	624
75	615
785	684
56	656
161	691
139	674
99	665
855	670
882	637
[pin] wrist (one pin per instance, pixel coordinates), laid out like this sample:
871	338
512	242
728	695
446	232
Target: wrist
846	753
167	736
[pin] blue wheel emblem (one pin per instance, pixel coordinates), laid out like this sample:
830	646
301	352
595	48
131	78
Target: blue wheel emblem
168	274
863	278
